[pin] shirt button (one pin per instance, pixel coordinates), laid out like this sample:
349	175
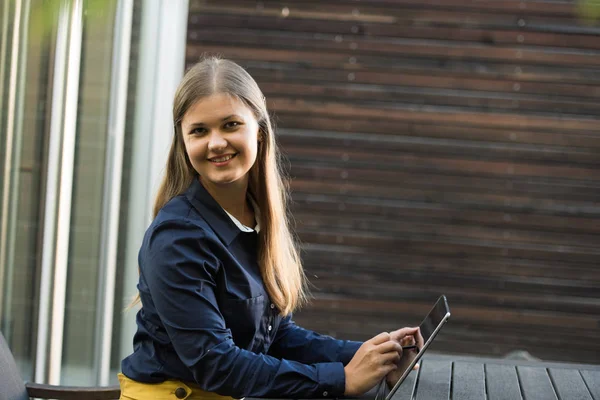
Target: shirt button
325	394
180	393
272	306
269	328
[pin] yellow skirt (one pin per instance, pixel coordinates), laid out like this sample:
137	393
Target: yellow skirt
167	390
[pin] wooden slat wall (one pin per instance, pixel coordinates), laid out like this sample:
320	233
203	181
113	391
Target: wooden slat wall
436	147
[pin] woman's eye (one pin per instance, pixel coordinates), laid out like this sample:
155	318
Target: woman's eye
232	124
198	131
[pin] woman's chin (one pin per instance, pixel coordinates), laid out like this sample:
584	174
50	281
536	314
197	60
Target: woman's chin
222	179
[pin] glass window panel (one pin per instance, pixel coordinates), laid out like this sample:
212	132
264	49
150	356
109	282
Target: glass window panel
78	363
20	307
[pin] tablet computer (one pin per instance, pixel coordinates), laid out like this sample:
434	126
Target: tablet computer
428	330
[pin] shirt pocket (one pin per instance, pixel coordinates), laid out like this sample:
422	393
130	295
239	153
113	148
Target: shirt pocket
243	317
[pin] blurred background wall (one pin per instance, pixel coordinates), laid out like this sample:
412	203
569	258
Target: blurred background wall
435	147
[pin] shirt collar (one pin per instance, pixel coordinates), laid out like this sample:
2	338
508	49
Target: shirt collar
243	227
223	224
212	212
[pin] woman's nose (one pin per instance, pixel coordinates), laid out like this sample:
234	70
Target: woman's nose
216	141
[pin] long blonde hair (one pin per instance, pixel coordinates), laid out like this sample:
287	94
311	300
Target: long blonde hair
278	255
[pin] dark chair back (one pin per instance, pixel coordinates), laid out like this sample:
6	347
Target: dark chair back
12	386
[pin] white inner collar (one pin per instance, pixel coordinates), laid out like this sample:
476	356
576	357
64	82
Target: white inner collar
243	227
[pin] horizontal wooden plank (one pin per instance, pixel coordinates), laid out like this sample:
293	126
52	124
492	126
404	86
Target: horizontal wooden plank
378	75
395	209
399	47
205	18
473	167
455	338
352	218
370	223
565	20
475	100
471	293
447	131
492	35
473	74
366	281
449	246
537	195
367	323
403	71
491	347
396	142
318	258
463	323
430	197
516	296
441	115
537	7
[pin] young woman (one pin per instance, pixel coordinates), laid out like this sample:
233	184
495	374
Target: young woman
219	270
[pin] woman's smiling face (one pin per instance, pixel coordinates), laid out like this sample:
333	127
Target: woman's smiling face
221	139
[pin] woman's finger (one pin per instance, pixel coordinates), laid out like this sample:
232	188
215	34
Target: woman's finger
381	338
400	333
407	340
388	347
392	359
388	358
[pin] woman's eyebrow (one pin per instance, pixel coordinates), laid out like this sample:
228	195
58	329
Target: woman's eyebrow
200	123
232	116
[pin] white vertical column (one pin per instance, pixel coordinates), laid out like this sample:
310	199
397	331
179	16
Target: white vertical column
52	191
112	187
138	214
65	193
170	64
3	44
162	62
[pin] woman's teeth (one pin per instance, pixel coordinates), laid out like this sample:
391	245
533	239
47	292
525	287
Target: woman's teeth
222	159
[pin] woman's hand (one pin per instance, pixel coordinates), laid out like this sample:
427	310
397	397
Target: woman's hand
405	337
376	358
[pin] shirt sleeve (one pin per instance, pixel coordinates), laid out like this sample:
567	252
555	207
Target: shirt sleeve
181	274
299	344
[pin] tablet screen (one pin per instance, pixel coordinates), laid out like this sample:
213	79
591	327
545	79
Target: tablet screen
428	329
433	319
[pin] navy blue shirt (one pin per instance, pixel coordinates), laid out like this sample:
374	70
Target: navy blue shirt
207	317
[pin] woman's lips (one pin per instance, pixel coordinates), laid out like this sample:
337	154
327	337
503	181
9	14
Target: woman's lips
222	160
